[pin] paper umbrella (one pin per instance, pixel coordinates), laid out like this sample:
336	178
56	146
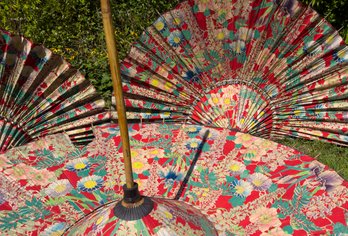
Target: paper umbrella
271	68
241	183
41	94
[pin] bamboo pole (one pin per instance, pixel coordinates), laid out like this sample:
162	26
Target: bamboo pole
117	85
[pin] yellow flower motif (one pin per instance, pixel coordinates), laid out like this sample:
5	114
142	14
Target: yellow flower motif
168	86
154	152
165	114
168	215
341	54
257	182
154	82
159	25
137	165
176	39
234	167
79	166
90	184
245	137
99	220
220	36
192	129
215	100
242	121
176	21
205	192
239	189
227	101
59	188
297	112
134	153
193	145
330	39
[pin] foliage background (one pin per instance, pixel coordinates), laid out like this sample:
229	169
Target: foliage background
73	28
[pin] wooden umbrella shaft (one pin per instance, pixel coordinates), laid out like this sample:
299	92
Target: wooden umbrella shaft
117	85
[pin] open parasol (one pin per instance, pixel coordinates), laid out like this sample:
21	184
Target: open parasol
233	178
243	184
268	68
42	94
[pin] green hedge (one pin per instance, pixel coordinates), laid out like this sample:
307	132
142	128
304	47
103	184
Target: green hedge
73	28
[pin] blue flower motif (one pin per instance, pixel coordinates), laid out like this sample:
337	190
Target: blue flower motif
171	176
193	144
241	188
147	115
193	129
311	48
318	111
160	25
166	114
78	164
175	38
55	229
90	183
176	21
192	75
340	56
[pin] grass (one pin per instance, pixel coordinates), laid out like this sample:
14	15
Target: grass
336	157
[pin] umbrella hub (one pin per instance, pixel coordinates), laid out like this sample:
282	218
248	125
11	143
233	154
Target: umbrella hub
131	195
133	206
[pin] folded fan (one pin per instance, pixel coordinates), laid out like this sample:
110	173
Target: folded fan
41	94
268	68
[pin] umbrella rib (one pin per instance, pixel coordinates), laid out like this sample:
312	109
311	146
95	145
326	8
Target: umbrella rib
192	166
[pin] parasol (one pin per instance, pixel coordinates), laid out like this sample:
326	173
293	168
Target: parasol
268	68
41	94
243	184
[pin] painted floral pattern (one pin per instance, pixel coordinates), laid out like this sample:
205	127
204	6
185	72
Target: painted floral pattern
268	68
245	185
169	217
33	104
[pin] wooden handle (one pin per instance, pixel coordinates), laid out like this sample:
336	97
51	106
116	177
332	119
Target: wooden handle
117	85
